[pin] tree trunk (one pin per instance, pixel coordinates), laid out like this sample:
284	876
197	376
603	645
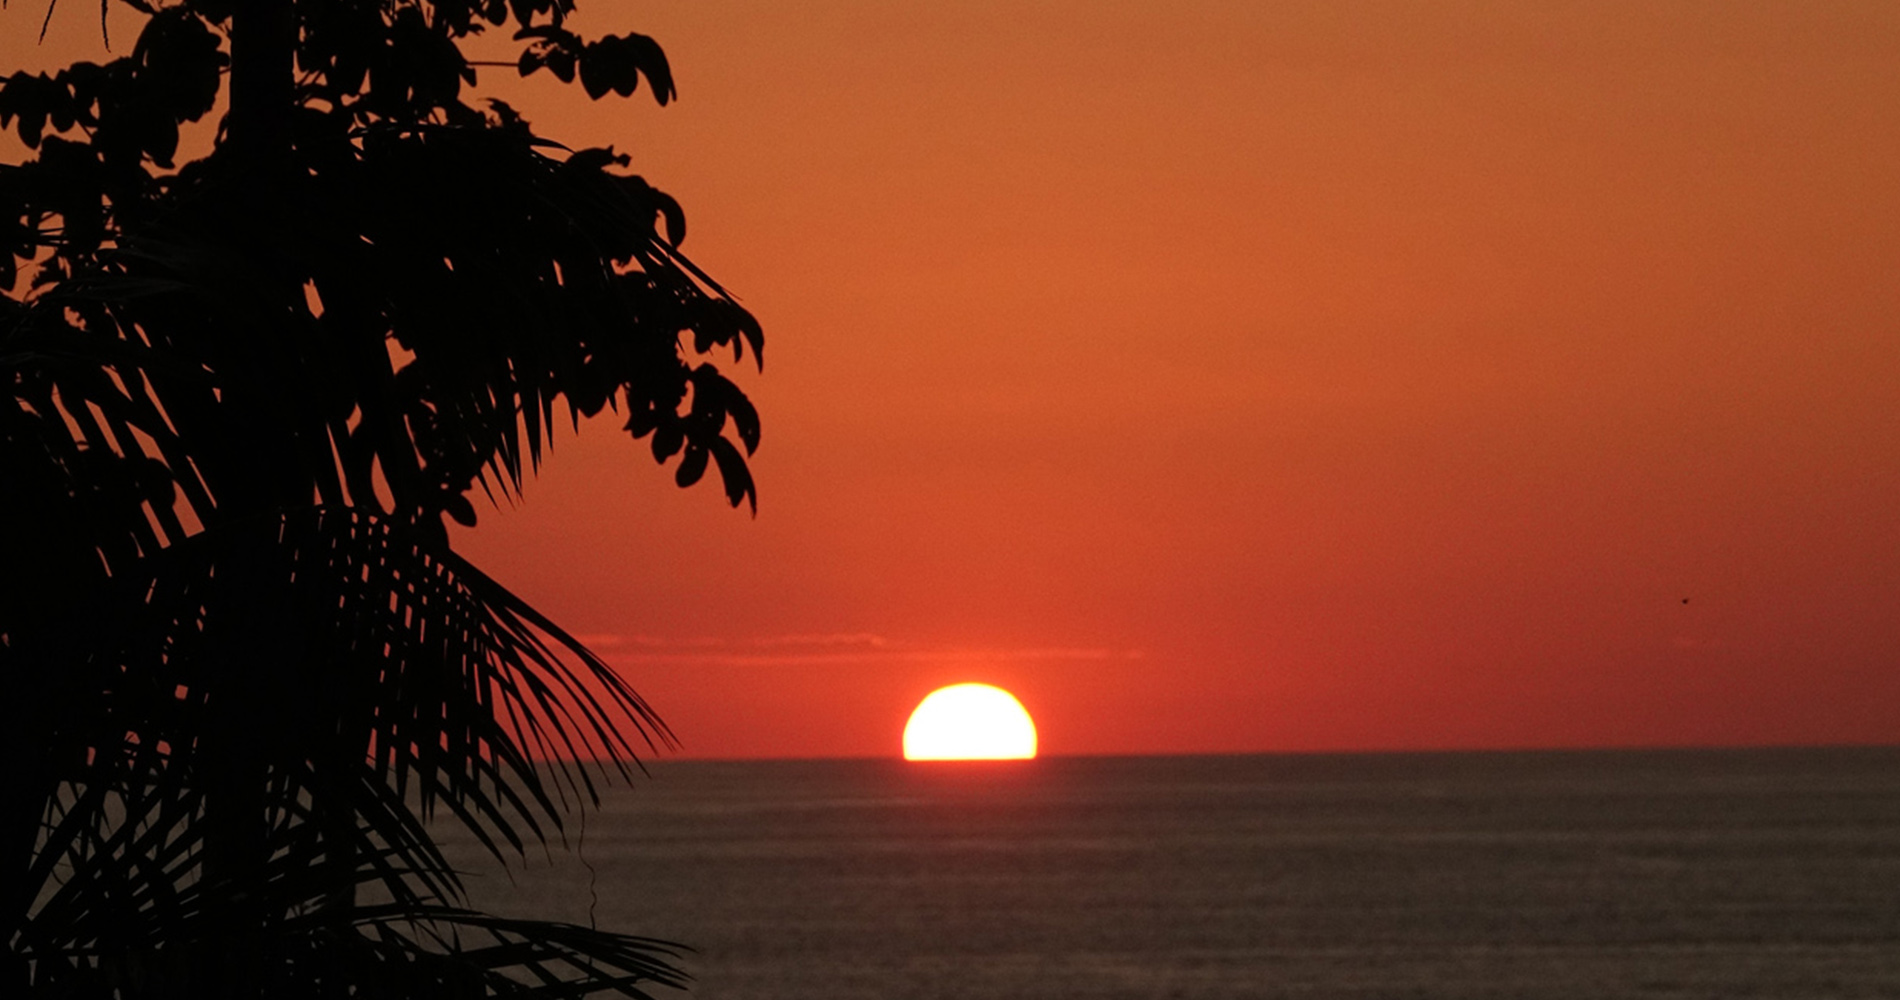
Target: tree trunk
234	761
233	768
263	86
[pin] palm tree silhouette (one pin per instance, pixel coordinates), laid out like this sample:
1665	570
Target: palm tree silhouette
243	664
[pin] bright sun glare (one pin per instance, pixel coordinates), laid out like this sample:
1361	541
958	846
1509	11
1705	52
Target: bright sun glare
970	722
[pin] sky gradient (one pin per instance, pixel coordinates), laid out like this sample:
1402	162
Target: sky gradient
1258	376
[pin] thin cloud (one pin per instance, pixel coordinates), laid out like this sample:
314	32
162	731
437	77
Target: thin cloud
866	640
825	639
673	642
857	649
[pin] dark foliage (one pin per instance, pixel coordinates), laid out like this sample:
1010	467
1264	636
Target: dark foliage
242	664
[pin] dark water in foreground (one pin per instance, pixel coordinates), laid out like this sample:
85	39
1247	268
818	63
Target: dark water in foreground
1597	874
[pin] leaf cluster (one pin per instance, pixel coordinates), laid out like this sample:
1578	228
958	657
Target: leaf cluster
244	392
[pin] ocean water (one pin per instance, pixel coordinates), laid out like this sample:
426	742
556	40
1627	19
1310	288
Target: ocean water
1707	874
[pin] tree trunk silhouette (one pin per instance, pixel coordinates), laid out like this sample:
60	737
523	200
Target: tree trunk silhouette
234	760
263	85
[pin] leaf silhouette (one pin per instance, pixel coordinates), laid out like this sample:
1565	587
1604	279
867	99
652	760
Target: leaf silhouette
244	393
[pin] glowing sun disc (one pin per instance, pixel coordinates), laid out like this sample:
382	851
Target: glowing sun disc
970	722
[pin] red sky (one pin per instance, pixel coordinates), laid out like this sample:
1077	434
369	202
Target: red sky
1251	376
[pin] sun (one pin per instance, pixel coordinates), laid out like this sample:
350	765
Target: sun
970	722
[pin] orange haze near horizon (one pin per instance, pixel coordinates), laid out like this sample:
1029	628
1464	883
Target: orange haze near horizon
1259	376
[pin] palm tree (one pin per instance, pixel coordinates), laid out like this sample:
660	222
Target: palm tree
243	664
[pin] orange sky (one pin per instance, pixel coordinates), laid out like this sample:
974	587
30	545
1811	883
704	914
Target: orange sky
1245	376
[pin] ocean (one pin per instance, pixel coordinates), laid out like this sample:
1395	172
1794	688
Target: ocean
1678	874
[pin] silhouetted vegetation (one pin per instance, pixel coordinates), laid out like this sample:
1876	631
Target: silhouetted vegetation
242	663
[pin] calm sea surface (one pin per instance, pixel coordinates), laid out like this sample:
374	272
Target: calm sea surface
1600	874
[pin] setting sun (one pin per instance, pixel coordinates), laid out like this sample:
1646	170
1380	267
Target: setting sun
970	722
